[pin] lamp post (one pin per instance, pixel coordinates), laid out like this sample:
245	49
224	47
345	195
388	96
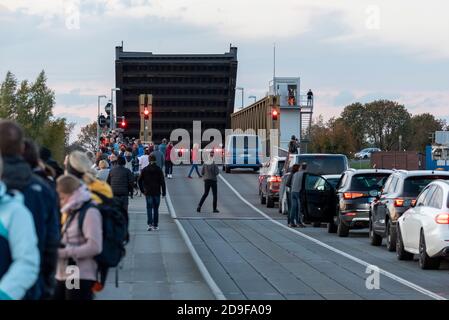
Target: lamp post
253	97
112	109
98	121
243	93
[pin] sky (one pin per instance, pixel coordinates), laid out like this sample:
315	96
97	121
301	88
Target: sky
346	51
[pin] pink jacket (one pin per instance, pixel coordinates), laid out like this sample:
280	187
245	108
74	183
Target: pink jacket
80	247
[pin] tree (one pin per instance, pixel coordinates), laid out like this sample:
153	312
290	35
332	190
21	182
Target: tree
8	96
88	137
353	116
421	126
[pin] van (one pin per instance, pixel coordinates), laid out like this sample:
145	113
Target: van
242	151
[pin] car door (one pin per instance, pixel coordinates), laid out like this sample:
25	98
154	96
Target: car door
411	222
318	199
379	208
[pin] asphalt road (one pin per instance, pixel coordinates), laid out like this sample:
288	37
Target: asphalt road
250	253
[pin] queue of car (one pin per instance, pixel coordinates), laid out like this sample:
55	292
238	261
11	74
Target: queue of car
409	209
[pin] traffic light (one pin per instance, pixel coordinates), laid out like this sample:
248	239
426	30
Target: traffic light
274	114
102	121
108	108
123	123
146	113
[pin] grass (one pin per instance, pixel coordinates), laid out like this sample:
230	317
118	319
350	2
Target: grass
360	164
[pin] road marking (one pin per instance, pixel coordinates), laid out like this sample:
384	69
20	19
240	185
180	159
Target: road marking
335	250
203	270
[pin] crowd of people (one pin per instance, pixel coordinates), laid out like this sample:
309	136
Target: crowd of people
52	218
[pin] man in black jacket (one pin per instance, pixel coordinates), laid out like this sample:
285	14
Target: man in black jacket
121	180
40	199
152	182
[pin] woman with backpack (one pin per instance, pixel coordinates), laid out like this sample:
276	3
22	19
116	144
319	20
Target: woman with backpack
79	243
19	254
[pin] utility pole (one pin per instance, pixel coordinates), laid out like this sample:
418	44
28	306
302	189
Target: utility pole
98	121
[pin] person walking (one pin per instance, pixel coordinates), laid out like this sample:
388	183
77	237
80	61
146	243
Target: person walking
121	181
103	173
153	184
297	187
159	156
80	243
209	172
168	161
19	251
40	200
288	184
195	161
143	160
163	146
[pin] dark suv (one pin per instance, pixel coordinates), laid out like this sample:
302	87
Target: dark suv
398	194
347	205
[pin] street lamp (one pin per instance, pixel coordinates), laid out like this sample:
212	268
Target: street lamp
253	97
112	109
98	121
243	93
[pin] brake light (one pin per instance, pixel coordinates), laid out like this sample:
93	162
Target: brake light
274	179
413	202
442	218
398	202
350	214
353	195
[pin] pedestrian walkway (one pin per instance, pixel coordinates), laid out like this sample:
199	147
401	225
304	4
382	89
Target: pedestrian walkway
157	265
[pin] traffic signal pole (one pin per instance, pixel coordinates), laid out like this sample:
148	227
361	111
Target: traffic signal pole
98	122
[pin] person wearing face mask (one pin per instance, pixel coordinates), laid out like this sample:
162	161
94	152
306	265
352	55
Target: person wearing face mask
79	243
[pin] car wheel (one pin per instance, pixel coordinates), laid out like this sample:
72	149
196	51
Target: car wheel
374	238
331	227
426	262
365	157
256	169
400	250
263	200
391	237
227	169
270	202
342	229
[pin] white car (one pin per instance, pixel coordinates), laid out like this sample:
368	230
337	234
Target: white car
424	228
366	153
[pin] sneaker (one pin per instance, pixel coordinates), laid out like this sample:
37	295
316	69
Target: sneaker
301	225
198	209
155	228
189	177
150	228
216	211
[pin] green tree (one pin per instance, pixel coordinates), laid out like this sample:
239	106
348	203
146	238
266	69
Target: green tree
353	116
88	137
420	128
8	96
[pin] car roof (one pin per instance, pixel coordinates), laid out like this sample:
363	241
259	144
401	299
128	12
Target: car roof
362	171
441	182
331	176
319	154
417	173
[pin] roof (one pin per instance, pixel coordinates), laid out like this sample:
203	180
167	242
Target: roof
421	172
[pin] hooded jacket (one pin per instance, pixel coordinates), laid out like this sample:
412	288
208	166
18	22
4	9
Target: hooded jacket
159	157
121	180
41	201
19	263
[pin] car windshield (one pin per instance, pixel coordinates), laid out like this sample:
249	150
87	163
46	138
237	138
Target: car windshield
414	185
368	182
323	164
280	167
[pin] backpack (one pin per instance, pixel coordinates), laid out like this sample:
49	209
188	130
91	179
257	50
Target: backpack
115	234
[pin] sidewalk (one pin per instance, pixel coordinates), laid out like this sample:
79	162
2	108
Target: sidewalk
157	265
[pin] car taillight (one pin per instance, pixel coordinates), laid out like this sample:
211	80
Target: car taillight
442	218
353	195
274	179
413	202
398	202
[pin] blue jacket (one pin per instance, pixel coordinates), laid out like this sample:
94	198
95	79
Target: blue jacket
19	263
41	200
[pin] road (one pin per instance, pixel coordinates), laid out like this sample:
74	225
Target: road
250	253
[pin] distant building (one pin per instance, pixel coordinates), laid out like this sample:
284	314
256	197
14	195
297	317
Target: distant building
185	87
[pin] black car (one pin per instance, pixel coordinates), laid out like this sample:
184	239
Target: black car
347	205
399	193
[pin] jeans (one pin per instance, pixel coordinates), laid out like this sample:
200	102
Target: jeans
83	293
295	209
153	203
168	167
194	167
208	184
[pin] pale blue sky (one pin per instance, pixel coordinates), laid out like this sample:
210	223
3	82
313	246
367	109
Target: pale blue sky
346	51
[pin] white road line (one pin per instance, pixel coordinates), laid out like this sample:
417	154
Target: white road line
335	250
203	270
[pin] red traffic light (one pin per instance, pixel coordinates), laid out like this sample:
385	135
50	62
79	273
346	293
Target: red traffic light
123	123
146	112
274	114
